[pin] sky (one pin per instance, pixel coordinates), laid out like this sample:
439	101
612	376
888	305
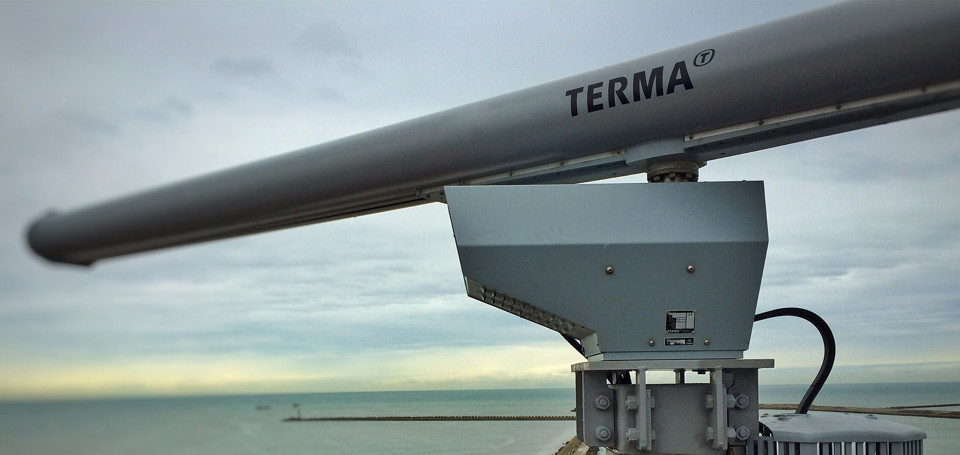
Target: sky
101	99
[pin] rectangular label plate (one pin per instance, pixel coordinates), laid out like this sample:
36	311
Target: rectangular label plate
678	342
680	321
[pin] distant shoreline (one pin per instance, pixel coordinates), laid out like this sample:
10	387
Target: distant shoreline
8	398
910	411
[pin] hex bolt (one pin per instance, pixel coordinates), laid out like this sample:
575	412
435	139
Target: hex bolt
609	270
602	402
706	342
691	268
731	401
742	401
743	433
602	433
652	342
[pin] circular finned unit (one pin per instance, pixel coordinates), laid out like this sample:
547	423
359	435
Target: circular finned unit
674	171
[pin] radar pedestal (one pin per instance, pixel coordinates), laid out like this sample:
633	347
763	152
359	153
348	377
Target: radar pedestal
646	277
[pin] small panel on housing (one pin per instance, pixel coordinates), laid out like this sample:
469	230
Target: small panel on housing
680	321
678	341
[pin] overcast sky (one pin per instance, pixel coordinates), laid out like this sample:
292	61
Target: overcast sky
102	99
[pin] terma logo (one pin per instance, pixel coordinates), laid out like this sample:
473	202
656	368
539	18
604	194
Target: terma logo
643	85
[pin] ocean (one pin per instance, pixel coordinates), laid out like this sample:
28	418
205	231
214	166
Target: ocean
253	424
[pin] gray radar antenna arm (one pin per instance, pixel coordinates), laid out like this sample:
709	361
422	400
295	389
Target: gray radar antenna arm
835	69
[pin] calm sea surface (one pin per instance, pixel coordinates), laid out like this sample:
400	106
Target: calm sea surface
234	425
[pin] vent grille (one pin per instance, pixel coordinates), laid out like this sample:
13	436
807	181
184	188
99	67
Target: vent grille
768	445
525	310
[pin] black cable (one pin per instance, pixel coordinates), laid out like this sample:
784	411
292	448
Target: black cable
829	350
575	343
614	377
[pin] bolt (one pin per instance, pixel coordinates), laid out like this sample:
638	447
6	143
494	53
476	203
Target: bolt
652	342
743	433
743	401
706	342
730	432
690	269
609	270
602	402
602	433
731	401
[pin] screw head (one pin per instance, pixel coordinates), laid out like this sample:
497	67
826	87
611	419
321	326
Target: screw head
609	270
652	342
691	268
602	433
743	433
743	401
602	402
706	342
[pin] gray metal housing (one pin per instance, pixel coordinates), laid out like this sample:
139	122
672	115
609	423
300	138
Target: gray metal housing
814	434
635	271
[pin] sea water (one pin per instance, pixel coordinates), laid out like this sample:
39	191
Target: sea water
255	424
234	425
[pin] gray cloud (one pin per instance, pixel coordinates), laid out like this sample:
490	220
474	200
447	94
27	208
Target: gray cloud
327	40
242	67
170	109
329	94
863	226
83	123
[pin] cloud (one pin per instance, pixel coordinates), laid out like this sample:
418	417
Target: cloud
83	123
242	67
329	94
534	365
327	40
863	226
170	109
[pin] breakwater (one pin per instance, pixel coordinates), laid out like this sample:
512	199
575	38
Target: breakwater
428	418
911	411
